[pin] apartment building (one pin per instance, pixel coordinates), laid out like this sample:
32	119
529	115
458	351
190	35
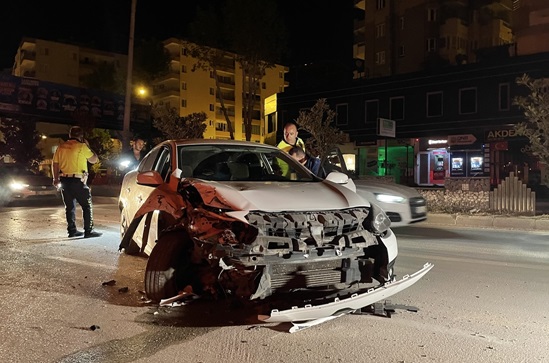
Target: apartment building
394	37
61	63
531	26
194	90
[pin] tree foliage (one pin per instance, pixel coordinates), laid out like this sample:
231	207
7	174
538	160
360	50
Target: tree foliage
535	106
19	139
173	126
318	123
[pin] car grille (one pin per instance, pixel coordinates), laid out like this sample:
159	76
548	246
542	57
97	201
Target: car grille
314	274
394	217
300	225
418	207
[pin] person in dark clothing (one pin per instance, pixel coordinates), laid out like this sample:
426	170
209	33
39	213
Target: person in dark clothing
310	162
131	158
70	172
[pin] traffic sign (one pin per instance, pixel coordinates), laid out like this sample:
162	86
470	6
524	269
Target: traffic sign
467	139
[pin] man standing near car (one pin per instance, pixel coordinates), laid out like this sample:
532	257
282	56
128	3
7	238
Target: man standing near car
70	171
289	140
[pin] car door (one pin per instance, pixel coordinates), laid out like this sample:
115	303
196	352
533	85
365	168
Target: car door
159	159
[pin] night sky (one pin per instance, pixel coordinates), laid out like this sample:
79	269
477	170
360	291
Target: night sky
316	31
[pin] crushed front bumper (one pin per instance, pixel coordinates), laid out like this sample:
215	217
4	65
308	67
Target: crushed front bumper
340	306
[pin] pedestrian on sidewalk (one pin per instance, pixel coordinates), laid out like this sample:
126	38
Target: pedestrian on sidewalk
70	172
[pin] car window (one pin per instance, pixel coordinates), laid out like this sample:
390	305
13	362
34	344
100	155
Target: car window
148	161
163	163
238	163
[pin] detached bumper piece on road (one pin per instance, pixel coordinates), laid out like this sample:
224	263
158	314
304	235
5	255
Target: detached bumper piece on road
310	315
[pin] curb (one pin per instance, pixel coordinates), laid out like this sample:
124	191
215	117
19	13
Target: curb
536	223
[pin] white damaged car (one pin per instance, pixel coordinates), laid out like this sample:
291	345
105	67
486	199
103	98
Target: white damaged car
218	218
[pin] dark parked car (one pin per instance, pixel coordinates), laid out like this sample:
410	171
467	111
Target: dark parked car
18	182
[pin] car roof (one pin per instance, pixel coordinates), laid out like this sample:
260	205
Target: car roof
180	142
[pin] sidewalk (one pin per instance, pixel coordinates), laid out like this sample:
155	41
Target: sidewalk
109	193
530	223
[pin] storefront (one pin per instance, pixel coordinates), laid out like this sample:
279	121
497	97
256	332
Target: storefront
510	152
432	161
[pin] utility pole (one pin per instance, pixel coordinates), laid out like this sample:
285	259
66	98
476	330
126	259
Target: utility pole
128	100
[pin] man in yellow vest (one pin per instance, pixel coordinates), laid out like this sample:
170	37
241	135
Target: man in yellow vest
70	172
289	141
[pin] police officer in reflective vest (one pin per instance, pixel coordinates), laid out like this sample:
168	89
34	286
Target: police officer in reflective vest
70	172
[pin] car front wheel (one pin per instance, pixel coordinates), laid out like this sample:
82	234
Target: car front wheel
169	268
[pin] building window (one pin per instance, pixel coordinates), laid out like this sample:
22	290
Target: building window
380	4
431	14
183	85
467	100
342	114
212	92
371	111
281	74
380	30
183	103
431	45
401	23
263	85
380	57
401	51
212	107
396	111
183	69
184	51
504	98
434	104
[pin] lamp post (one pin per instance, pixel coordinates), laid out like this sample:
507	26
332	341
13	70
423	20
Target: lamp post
128	100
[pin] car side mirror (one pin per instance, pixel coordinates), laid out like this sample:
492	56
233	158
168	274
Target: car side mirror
152	178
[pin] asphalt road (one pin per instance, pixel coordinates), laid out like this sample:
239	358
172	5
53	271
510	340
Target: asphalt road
484	301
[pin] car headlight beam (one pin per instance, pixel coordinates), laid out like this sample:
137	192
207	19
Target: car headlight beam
389	198
15	185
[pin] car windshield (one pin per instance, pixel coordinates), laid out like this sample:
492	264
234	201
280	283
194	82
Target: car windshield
240	163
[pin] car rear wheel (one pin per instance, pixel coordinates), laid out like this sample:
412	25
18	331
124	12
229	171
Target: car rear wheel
169	269
133	247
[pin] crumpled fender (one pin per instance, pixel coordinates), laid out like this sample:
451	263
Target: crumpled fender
163	199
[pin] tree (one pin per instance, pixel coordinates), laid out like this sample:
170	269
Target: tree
253	33
318	123
535	106
20	140
172	126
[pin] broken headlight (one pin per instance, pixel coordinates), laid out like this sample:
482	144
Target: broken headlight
378	221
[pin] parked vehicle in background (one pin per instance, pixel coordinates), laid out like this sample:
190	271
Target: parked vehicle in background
217	218
403	205
19	183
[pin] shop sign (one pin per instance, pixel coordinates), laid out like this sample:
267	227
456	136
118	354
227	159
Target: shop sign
503	134
467	139
386	127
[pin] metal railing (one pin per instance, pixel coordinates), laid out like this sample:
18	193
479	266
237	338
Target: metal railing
513	196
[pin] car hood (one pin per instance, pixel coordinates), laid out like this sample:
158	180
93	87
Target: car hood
30	179
284	196
373	186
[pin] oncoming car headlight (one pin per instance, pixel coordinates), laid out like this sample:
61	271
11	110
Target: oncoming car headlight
15	185
379	222
388	198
